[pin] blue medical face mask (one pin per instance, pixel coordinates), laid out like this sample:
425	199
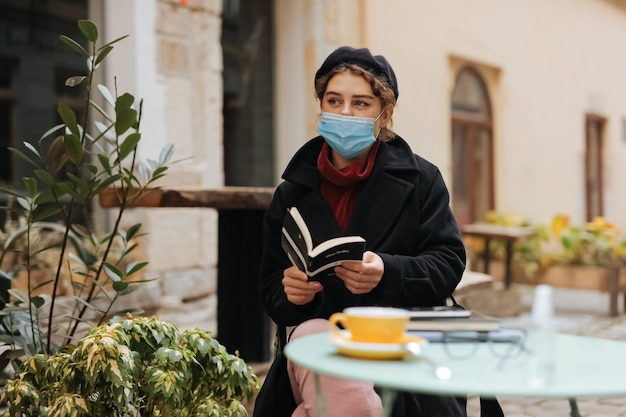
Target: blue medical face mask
348	135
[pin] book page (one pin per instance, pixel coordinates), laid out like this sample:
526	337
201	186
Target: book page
343	249
331	243
292	250
299	221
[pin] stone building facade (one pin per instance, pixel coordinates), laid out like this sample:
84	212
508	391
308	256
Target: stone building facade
543	79
173	60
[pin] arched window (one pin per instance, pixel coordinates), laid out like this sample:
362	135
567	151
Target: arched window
472	148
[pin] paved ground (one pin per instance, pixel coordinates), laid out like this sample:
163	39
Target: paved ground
577	312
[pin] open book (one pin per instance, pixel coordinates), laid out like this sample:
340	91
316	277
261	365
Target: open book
318	261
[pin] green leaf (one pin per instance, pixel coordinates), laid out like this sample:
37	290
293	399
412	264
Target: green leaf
144	172
55	157
10	192
30	185
52	193
132	231
172	354
128	145
81	185
91	168
125	101
89	30
158	173
102	54
25	203
108	182
74	149
74	45
125	118
113	272
44	176
153	164
106	94
115	41
104	161
134	267
69	118
119	286
166	154
66	189
37	301
74	81
52	130
31	148
23	157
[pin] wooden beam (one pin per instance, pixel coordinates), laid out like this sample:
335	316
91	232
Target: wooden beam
236	198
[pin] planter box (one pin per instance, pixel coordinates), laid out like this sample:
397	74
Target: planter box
592	278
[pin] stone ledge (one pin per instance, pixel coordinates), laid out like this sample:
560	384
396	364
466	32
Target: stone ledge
237	198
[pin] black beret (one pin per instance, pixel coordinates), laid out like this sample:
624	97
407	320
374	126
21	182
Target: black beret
376	64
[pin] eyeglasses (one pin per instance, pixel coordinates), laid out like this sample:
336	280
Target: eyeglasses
504	344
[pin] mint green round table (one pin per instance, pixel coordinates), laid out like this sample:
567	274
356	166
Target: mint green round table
584	367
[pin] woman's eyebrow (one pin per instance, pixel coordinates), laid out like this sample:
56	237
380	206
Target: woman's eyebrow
361	96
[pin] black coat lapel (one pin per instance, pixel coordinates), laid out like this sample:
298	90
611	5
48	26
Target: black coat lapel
380	203
319	217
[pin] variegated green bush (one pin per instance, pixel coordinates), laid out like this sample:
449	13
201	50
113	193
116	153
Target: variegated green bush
134	367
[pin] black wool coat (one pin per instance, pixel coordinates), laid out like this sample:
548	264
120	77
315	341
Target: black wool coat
403	213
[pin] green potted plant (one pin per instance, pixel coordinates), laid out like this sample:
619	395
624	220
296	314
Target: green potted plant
594	244
591	256
71	164
70	363
134	367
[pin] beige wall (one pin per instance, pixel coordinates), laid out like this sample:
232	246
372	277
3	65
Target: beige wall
173	60
547	64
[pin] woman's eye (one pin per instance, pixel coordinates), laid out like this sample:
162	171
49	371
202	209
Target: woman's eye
361	104
333	101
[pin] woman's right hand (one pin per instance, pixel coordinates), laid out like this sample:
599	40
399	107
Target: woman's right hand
298	288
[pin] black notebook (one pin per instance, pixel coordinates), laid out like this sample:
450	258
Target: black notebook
449	318
438	312
478	324
317	262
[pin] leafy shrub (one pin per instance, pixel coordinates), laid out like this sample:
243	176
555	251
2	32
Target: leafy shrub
71	164
134	367
596	243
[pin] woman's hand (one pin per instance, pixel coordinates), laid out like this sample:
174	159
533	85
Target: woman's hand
361	277
298	288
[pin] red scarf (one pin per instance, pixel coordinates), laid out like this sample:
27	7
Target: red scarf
341	187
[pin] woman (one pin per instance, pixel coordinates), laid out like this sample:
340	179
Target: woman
360	178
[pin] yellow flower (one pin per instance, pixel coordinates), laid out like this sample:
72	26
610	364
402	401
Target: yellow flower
559	222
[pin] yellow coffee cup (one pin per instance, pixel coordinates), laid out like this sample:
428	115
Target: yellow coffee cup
371	324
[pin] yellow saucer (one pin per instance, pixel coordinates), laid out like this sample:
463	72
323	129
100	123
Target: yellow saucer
363	350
